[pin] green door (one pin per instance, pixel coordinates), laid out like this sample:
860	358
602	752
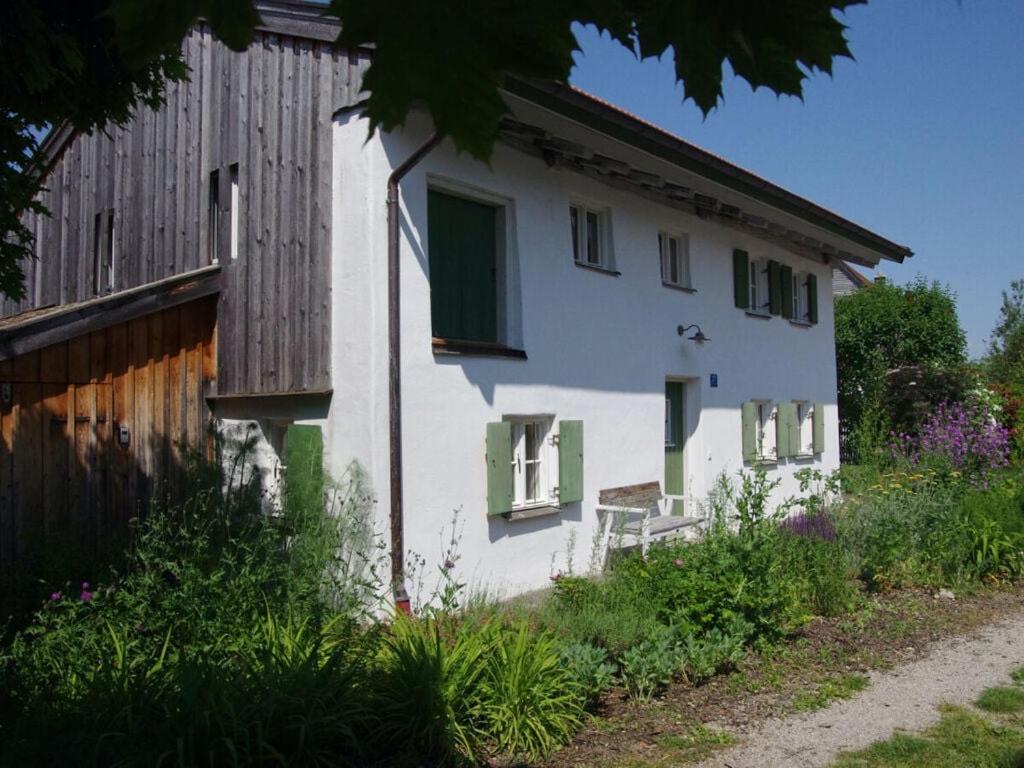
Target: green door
462	245
674	440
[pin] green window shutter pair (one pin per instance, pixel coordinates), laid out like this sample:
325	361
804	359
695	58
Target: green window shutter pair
304	468
774	287
741	278
462	248
748	413
500	492
787	431
818	428
786	278
812	299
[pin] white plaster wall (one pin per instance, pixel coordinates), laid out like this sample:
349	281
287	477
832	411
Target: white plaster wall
599	349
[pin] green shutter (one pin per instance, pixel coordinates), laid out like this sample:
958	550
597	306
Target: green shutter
748	414
462	250
818	428
812	298
499	467
787	291
774	287
570	461
787	432
741	278
304	469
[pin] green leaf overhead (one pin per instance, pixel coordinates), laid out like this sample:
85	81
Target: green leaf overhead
452	57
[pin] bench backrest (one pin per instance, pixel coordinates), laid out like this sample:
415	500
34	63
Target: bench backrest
642	495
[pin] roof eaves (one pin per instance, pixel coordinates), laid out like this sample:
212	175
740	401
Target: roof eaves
617	123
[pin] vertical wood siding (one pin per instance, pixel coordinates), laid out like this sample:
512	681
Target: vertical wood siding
63	475
269	109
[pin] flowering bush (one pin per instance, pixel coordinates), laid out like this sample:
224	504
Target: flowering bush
810	525
961	437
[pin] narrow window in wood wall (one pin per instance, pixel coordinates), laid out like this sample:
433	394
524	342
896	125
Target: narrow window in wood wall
233	173
213	231
103	252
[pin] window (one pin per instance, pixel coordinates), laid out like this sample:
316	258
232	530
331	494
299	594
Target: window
801	313
675	259
534	467
233	173
589	236
766	448
103	252
465	267
213	231
759	296
804	428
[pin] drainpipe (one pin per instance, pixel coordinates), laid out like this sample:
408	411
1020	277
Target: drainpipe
395	373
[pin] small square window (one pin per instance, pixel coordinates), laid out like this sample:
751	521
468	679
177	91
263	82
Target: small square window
589	236
767	450
534	462
675	259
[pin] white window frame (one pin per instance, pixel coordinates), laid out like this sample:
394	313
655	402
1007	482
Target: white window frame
545	460
581	242
767	434
757	287
801	308
805	427
683	273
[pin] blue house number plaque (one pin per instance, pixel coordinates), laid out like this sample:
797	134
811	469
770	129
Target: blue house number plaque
714	379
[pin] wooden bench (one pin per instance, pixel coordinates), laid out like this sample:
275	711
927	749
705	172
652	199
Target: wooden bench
639	514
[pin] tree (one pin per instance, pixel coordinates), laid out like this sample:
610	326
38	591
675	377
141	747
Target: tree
88	63
1005	360
894	347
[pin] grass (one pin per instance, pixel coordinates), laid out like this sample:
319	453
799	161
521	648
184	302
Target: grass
697	745
960	739
1001	699
991	739
831	689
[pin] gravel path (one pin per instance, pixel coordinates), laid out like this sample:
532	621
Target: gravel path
956	671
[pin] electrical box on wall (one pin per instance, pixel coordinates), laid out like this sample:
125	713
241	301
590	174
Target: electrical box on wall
124	435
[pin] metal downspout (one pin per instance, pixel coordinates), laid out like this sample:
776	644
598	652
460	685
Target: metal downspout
401	596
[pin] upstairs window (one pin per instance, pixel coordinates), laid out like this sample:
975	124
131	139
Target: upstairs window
801	310
804	428
760	434
589	228
463	251
760	299
213	219
675	259
103	252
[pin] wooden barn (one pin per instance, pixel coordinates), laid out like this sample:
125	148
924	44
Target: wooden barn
152	302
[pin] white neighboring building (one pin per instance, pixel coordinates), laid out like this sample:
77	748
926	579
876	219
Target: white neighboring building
540	300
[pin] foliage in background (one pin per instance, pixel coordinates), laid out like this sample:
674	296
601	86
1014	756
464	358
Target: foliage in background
89	64
882	328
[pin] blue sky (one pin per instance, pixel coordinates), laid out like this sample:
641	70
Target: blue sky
920	139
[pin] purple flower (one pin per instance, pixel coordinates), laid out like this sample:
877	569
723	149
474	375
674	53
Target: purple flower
85	585
86	596
55	597
449	564
557	576
678	562
810	526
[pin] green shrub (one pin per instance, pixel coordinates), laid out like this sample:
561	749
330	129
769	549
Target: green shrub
528	701
702	657
650	666
589	667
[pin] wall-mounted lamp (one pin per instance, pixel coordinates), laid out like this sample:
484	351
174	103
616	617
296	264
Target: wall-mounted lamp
698	337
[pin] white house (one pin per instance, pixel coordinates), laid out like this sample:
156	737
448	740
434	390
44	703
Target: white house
541	297
602	305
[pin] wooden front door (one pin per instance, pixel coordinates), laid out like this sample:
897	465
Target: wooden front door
675	439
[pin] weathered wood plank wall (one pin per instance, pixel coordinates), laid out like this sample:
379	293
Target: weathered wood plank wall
63	473
269	110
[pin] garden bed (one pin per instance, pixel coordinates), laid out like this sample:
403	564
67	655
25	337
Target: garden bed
820	663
